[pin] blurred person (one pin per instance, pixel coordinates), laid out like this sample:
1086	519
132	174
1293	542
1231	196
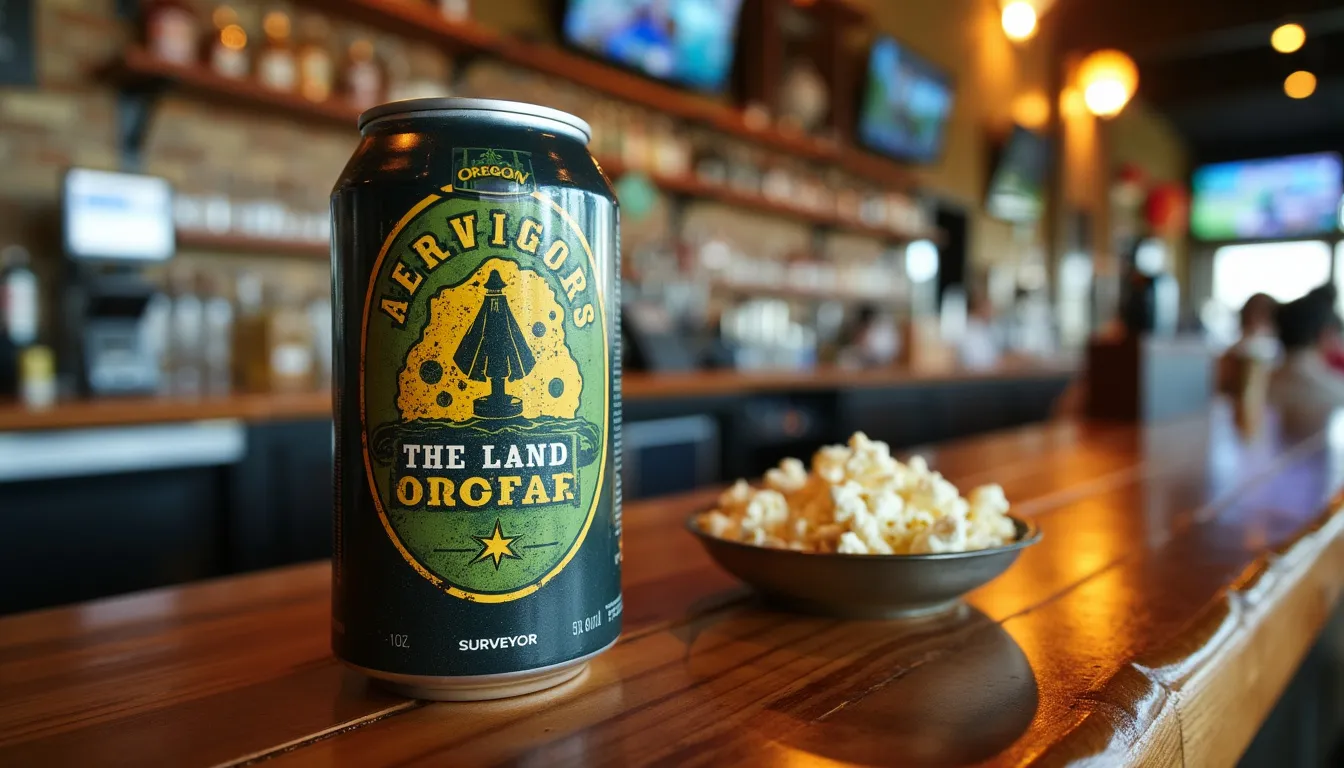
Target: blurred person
872	341
1332	346
981	342
1259	342
1305	386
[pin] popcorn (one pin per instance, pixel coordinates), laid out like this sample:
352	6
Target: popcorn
859	500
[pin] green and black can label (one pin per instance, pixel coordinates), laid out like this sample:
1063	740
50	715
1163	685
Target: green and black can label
488	524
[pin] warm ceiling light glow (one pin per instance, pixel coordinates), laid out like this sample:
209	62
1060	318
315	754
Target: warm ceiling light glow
1019	20
1288	38
1031	110
1071	103
1300	84
1108	79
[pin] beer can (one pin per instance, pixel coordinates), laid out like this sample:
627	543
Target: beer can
477	549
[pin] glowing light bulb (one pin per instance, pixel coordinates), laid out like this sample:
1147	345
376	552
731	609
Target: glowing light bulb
1031	110
1288	38
1019	20
1108	79
1300	84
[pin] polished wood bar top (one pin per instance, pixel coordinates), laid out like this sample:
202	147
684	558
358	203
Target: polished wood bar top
108	412
1183	574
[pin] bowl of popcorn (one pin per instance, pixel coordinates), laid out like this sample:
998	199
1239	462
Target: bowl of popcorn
862	535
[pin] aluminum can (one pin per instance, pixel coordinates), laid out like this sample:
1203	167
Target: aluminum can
477	532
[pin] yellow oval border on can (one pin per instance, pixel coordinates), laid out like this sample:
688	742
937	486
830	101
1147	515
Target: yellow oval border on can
364	427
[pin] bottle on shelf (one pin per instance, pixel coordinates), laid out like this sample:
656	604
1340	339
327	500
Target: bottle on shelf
37	377
186	334
317	69
320	320
171	31
454	10
277	67
249	334
19	312
363	75
273	338
290	344
226	47
217	342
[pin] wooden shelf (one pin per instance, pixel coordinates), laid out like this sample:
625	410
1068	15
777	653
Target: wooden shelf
139	66
204	241
797	293
690	186
424	22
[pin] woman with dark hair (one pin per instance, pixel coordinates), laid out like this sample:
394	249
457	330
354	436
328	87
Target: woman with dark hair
1305	381
1258	346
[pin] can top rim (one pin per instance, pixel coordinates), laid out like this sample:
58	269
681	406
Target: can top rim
422	108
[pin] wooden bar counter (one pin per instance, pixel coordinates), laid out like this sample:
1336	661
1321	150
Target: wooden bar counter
637	387
1183	574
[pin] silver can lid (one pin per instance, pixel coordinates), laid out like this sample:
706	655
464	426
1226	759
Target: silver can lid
450	105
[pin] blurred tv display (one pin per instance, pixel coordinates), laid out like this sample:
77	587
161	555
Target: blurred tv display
1016	188
117	215
906	103
1292	196
689	42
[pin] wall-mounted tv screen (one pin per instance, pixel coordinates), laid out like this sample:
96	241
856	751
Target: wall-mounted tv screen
688	42
1017	186
906	104
1294	196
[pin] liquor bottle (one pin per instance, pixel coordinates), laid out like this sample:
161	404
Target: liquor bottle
276	65
226	48
18	313
170	31
363	76
217	344
289	341
37	377
250	359
455	10
317	70
319	319
186	329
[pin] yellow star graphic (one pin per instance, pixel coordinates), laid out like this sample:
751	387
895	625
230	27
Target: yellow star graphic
496	546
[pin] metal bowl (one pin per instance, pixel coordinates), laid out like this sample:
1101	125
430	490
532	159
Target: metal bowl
864	586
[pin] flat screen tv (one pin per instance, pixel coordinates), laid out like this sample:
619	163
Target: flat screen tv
906	104
1281	197
1016	188
688	42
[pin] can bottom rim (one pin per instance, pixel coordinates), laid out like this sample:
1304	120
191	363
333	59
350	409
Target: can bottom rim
480	687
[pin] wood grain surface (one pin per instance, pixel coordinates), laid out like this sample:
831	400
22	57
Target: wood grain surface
262	406
1183	574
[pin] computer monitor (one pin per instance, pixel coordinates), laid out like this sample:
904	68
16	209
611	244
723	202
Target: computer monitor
117	216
